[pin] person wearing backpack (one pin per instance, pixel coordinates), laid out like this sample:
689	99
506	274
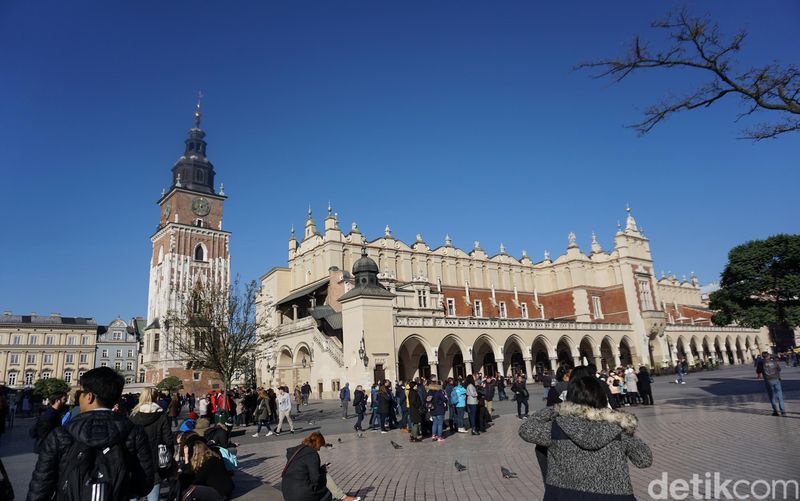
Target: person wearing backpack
344	398
153	419
772	381
459	396
99	455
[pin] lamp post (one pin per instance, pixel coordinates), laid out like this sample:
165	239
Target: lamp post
362	351
305	362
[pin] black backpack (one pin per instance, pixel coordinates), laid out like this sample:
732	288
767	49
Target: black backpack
96	474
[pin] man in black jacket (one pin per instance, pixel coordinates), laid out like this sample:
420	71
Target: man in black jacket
49	420
124	445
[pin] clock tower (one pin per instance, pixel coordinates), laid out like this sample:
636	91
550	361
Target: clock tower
189	247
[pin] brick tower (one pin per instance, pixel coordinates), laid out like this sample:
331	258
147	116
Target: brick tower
189	246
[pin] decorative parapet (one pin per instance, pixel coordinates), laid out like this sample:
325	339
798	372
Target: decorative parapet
495	323
302	324
709	328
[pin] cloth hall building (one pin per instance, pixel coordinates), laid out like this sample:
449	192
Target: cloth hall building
413	310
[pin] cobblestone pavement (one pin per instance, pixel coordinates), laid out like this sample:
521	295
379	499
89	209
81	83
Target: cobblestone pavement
720	421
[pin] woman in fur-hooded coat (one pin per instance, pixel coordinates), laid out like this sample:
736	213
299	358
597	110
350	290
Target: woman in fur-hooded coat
588	445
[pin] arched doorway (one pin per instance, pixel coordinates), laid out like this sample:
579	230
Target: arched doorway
451	358
412	359
607	359
564	352
586	351
483	358
694	350
625	352
540	353
513	361
284	368
302	364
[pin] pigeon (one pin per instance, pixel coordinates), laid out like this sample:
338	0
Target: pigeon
360	435
459	466
507	473
339	440
395	444
311	423
321	411
329	446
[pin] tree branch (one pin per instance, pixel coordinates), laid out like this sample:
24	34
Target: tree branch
697	45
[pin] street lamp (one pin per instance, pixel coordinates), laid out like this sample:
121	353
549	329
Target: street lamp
362	351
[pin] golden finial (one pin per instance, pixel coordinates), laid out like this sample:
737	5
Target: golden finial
197	113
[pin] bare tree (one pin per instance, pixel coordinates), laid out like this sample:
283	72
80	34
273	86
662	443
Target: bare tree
216	328
696	44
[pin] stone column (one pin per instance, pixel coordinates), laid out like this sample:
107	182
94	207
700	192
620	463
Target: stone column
499	362
294	312
736	360
576	360
690	358
598	362
553	363
434	370
528	367
616	359
468	366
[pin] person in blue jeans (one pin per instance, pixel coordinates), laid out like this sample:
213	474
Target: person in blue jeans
436	401
679	372
459	396
772	380
472	404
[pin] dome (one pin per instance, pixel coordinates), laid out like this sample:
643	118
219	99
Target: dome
365	264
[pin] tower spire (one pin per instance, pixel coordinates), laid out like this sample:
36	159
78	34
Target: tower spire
197	114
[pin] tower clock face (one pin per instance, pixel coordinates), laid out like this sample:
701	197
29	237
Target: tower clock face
200	206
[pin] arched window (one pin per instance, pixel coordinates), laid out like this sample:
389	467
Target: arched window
198	222
199	254
68	376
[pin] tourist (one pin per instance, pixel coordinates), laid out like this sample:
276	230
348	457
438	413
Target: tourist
772	381
374	419
262	413
614	383
459	396
272	399
98	428
472	404
202	406
644	385
558	391
299	397
414	412
153	419
304	478
680	371
521	396
173	409
501	387
384	405
191	400
451	406
49	420
344	399
759	365
587	442
631	386
201	470
26	405
547	382
436	403
489	387
284	409
360	406
401	398
305	392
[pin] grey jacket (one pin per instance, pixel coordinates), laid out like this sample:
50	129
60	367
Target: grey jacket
587	451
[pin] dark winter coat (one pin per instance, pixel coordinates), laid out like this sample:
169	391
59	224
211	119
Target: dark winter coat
554	395
520	391
305	478
360	401
212	474
98	429
587	451
415	410
262	410
174	408
436	400
489	388
384	401
47	422
644	381
156	426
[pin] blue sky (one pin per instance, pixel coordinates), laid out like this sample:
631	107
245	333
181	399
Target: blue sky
434	117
